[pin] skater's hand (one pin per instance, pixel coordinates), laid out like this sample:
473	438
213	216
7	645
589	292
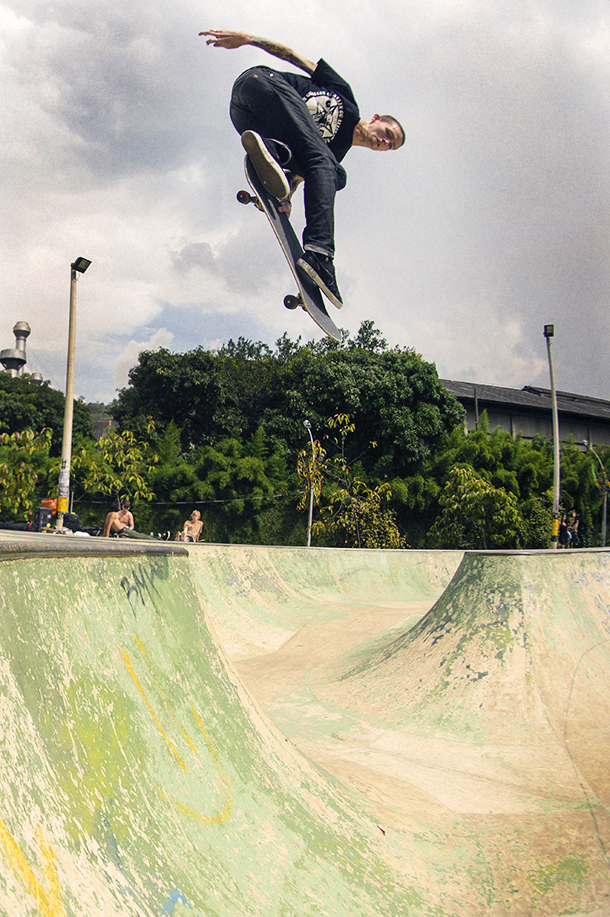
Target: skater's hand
223	39
285	206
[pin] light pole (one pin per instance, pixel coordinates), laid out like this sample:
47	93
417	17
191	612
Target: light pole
588	446
308	425
63	490
549	331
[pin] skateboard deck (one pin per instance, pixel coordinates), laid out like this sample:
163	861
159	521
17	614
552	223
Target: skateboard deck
309	296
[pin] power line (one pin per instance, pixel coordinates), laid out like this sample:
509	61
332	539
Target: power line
194	502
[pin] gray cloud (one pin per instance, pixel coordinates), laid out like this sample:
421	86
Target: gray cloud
493	220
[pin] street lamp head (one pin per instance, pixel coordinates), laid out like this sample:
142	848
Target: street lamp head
549	331
307	424
586	444
80	265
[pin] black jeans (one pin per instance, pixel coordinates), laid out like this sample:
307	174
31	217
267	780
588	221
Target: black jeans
264	102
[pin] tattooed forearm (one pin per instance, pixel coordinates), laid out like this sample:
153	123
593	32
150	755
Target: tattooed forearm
283	53
221	38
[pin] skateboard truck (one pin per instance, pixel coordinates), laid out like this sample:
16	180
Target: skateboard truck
309	297
244	197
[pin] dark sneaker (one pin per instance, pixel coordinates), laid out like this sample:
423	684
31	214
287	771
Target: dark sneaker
267	168
322	271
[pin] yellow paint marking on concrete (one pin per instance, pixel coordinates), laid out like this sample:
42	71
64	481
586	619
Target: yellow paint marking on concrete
186	736
131	671
49	903
50	871
220	769
217	817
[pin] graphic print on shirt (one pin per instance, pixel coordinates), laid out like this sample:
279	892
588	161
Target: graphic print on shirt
326	109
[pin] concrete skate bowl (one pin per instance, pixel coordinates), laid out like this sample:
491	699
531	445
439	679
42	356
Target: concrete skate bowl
139	777
260	598
478	731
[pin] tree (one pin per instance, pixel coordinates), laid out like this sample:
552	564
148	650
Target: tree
356	515
26	405
310	467
228	394
241	484
353	513
20	454
474	514
394	393
209	395
508	463
117	464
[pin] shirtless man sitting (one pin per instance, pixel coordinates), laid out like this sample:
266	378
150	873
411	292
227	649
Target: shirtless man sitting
125	516
117	523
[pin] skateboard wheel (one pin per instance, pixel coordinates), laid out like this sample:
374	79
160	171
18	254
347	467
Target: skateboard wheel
291	302
243	197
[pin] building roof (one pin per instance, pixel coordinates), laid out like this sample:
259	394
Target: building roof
529	398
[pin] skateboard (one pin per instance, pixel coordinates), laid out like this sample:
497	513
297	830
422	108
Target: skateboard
309	296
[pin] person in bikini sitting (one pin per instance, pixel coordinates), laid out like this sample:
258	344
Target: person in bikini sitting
192	528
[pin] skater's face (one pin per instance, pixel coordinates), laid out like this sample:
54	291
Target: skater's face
383	135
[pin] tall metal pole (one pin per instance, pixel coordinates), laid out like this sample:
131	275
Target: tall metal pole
308	425
588	446
549	331
63	491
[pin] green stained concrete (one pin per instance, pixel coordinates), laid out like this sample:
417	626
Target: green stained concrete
471	712
443	745
132	751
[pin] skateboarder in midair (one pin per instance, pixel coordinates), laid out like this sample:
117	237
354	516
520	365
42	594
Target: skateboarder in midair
297	128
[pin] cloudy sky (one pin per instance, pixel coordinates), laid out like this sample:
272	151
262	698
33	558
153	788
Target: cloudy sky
492	221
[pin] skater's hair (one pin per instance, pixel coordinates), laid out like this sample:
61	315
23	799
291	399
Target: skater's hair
394	120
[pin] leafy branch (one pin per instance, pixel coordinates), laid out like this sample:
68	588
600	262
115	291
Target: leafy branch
20	453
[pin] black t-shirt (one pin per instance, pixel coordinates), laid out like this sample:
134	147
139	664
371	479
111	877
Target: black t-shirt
331	103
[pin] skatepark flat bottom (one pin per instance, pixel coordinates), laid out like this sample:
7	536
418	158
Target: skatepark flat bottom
439	743
481	718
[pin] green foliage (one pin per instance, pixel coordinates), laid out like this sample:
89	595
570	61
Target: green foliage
254	398
507	463
20	455
25	405
118	464
208	395
229	430
354	514
229	394
310	468
394	395
357	517
536	522
99	410
237	485
169	446
474	514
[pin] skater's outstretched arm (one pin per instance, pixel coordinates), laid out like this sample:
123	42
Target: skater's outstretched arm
224	39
